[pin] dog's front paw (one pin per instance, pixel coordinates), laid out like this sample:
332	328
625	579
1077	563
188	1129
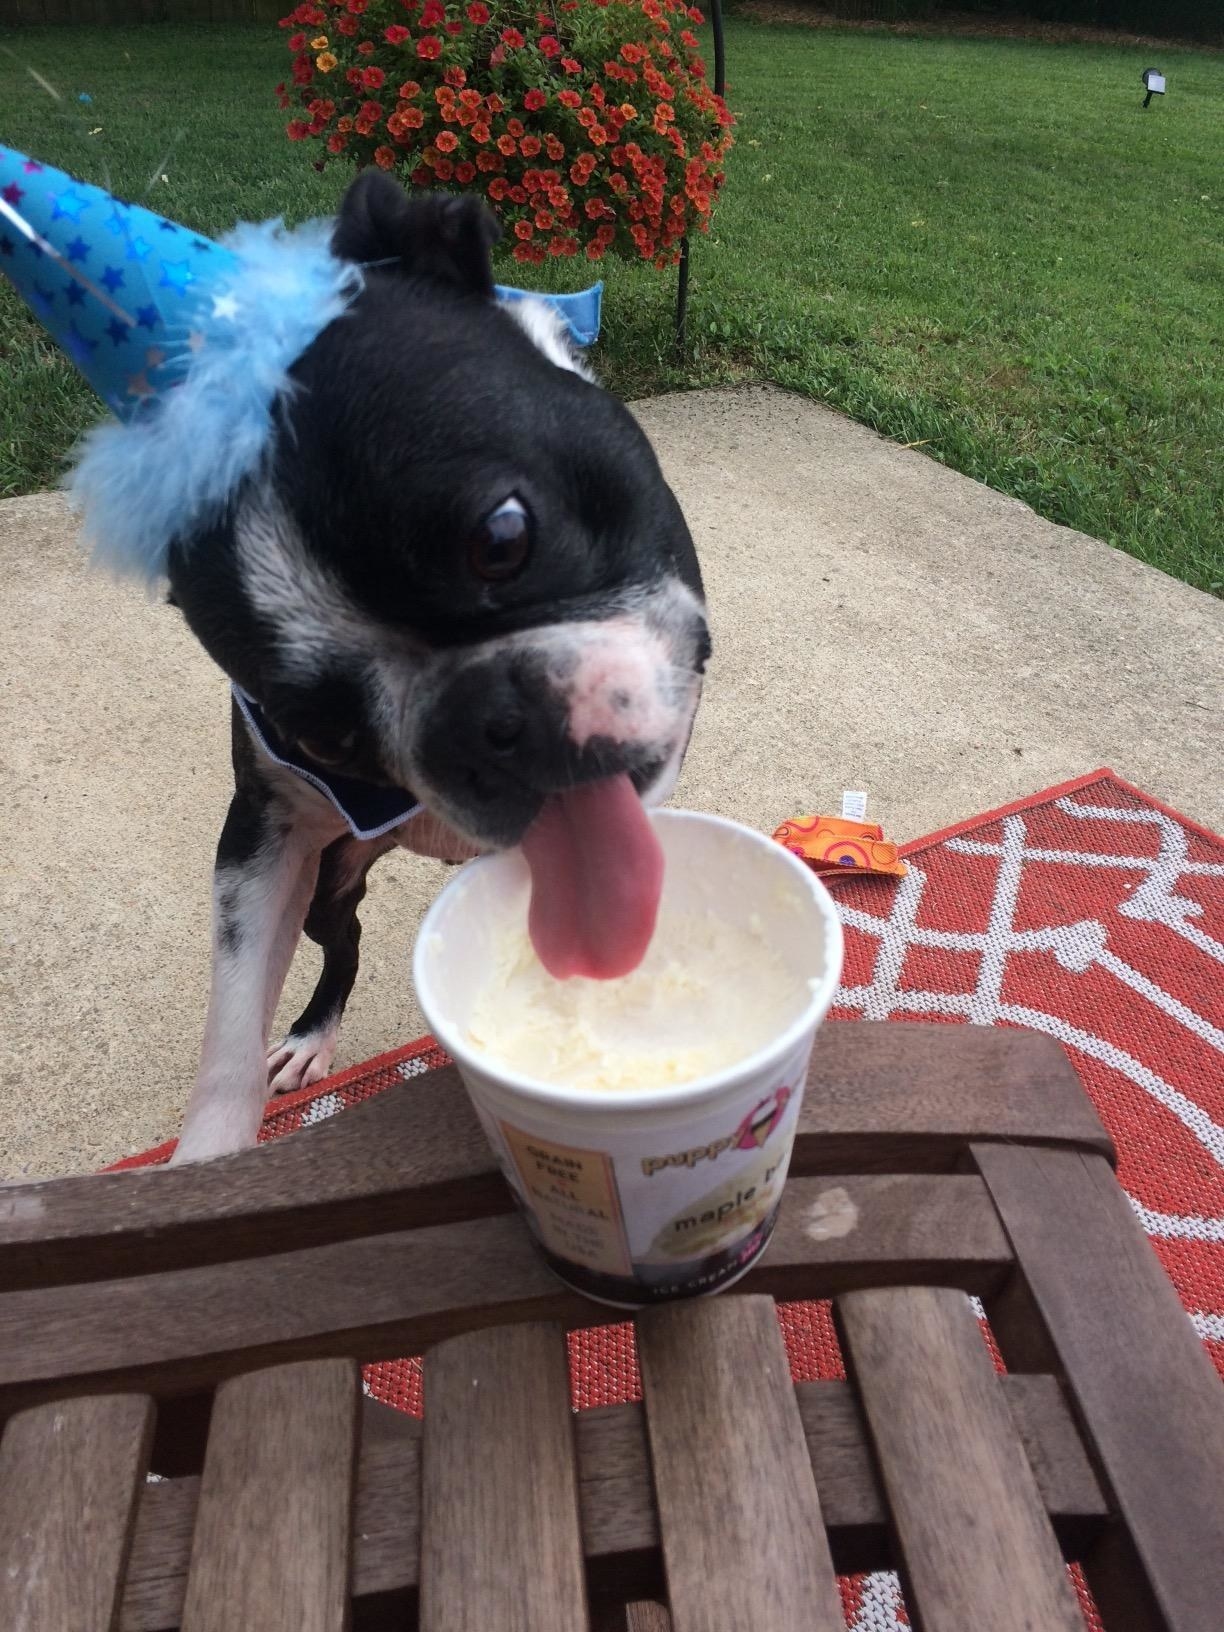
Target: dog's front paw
204	1138
301	1061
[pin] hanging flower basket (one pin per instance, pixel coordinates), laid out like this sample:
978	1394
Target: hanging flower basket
588	126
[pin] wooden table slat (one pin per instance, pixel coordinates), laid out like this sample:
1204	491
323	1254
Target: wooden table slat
501	1548
743	1538
885	1096
396	1294
976	1545
1135	1368
70	1480
616	1497
273	1529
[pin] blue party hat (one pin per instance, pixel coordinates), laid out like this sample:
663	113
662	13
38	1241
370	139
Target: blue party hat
116	286
189	342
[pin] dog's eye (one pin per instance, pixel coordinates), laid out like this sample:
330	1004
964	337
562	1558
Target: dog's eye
501	544
329	750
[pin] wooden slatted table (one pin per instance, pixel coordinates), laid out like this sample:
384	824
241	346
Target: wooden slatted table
207	1325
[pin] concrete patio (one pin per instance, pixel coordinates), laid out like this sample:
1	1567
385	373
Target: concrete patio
880	622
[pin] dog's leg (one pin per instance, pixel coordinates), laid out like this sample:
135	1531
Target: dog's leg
266	867
306	1054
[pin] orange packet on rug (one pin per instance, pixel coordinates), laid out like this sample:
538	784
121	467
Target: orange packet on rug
834	844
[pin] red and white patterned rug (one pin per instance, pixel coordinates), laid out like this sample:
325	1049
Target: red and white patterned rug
1088	911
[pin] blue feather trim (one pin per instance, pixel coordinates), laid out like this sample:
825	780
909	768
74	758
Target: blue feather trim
176	465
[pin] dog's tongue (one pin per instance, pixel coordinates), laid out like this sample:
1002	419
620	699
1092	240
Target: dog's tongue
596	876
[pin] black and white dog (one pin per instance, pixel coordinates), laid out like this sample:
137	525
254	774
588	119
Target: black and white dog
463	574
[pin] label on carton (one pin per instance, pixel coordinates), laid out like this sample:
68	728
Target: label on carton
656	1212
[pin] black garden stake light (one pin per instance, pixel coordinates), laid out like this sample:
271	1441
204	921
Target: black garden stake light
1154	82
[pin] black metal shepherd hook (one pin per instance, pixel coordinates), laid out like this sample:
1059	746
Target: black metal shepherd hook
720	88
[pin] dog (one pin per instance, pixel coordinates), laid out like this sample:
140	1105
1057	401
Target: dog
460	572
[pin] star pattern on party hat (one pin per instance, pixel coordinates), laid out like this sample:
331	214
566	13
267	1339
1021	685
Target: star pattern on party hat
115	285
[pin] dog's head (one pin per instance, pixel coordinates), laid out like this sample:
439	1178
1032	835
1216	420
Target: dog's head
461	571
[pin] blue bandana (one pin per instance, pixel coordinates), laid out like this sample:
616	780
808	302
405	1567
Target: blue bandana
369	810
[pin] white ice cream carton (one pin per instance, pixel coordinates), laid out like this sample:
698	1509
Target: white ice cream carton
659	1189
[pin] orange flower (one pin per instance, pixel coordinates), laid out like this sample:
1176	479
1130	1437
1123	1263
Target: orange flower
446	141
530	146
409	89
507	145
554	147
325	62
524	230
384	157
481	131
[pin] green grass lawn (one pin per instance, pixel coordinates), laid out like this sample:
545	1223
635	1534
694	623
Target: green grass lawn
985	247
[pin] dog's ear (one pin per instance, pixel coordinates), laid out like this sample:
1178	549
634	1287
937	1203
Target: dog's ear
432	236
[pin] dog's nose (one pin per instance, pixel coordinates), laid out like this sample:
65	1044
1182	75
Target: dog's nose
497	738
504	729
